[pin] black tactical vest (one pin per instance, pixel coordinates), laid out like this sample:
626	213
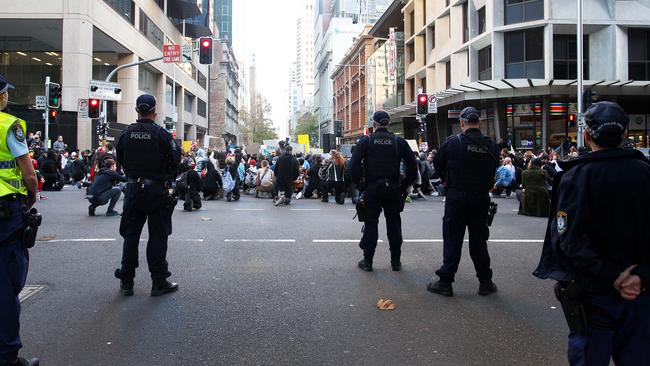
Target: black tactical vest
471	163
383	157
143	151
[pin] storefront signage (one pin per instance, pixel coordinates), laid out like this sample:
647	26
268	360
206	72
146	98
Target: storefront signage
453	113
559	109
523	110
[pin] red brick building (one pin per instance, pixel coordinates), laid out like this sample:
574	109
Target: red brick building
349	77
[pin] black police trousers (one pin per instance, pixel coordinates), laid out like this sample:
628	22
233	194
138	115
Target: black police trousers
145	203
465	210
380	196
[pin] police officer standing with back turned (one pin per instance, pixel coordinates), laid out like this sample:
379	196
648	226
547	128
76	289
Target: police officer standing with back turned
378	156
597	245
149	156
467	162
18	189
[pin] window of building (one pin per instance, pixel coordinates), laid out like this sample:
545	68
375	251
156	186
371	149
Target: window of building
169	93
565	55
481	20
160	3
518	11
432	36
446	3
189	101
147	80
423	84
638	54
412	21
410	48
424	51
448	74
201	108
151	30
126	8
485	63
201	79
449	25
525	54
465	24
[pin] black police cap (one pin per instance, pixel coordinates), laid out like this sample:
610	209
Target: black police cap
5	84
381	118
145	104
606	120
469	114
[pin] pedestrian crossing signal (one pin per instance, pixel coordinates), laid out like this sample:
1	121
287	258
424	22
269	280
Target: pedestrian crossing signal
572	120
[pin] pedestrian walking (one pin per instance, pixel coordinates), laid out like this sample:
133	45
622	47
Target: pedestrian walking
380	154
150	158
18	190
466	162
597	246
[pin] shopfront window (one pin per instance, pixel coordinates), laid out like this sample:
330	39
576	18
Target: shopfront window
525	125
638	129
487	123
558	129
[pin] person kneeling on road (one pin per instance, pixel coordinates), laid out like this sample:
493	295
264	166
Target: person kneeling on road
102	190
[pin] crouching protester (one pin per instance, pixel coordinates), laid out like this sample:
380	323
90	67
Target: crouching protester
103	191
597	246
18	227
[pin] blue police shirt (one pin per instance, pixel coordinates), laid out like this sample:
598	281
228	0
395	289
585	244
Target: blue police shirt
17	148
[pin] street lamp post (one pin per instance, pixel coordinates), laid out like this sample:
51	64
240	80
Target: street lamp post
580	61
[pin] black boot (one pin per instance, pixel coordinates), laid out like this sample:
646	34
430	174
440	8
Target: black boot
91	210
126	284
441	288
487	288
395	263
161	287
22	362
366	264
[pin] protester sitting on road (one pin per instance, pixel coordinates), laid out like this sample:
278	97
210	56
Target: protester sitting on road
188	185
335	178
265	179
313	179
49	170
102	190
505	179
230	176
211	181
251	175
534	200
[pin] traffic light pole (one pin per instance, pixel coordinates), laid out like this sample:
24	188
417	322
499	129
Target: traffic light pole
104	114
47	113
581	120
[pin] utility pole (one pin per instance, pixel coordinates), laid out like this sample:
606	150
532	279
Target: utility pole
46	139
580	61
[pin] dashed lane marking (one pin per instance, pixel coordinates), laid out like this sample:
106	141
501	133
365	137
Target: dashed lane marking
77	240
305	209
248	209
29	291
339	241
259	240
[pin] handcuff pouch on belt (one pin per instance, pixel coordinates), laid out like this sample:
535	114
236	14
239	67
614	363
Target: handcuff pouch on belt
361	208
31	221
492	211
570	295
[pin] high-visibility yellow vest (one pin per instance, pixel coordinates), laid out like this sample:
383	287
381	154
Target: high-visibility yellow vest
11	178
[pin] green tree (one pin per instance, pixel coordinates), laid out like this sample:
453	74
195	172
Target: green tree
256	124
308	125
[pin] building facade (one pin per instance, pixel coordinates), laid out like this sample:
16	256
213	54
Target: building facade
350	87
516	61
74	42
224	128
223	18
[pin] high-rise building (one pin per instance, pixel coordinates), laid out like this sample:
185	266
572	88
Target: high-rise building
252	81
301	84
223	17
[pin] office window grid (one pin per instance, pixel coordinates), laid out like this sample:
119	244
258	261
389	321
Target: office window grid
126	8
565	57
525	54
485	63
517	11
638	54
151	30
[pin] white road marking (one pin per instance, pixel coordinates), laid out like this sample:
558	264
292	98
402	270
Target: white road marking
305	209
423	241
259	240
339	241
248	209
29	291
515	241
77	240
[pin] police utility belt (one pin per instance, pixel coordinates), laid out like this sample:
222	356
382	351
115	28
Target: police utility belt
31	221
146	181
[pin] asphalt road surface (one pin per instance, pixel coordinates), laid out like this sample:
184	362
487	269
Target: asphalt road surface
264	285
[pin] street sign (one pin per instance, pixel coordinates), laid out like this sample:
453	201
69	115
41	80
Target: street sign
105	90
433	104
82	108
40	102
187	53
171	53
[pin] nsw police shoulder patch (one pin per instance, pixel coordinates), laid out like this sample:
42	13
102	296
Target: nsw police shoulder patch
18	132
561	220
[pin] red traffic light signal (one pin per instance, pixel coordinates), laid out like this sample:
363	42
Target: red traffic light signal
205	51
572	120
93	108
53	114
423	104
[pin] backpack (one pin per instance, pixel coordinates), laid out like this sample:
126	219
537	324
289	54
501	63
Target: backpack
228	182
181	185
266	180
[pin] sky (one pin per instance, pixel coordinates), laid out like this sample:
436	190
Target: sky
268	29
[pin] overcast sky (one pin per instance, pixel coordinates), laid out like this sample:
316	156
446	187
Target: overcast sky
268	29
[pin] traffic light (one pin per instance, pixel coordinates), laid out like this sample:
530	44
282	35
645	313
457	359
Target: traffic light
338	128
423	104
93	108
572	120
53	114
53	95
205	51
588	98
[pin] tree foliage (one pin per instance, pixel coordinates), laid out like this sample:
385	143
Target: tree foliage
308	125
256	123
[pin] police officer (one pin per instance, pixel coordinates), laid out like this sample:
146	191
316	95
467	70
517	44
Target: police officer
597	245
378	156
467	163
150	157
18	189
